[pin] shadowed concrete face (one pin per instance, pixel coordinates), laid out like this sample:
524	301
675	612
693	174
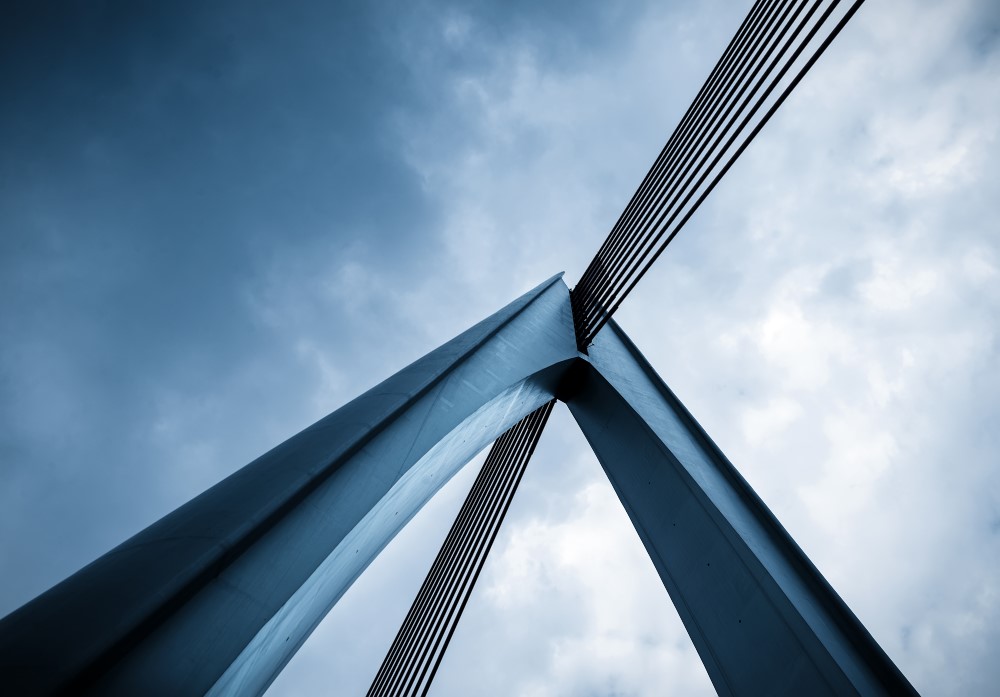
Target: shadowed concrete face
761	616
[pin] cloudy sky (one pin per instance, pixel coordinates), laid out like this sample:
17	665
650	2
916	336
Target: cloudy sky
221	221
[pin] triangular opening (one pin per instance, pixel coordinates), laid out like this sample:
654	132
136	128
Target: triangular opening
568	602
344	652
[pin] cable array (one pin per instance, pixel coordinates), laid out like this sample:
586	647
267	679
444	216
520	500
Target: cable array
775	46
416	653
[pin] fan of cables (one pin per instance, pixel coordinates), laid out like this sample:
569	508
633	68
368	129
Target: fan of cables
416	653
773	49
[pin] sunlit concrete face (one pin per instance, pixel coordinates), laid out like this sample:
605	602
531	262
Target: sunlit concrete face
220	593
217	596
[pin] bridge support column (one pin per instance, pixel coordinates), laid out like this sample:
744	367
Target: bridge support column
218	595
762	617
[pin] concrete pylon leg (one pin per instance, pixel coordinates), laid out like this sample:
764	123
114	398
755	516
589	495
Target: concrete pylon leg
218	595
763	619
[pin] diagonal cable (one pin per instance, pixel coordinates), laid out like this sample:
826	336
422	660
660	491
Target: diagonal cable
418	648
640	198
703	108
677	180
777	44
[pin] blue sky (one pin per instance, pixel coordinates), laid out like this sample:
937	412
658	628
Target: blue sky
220	222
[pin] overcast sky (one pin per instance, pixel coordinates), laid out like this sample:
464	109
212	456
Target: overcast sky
221	221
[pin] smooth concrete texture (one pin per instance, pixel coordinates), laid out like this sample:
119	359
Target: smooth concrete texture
219	594
762	617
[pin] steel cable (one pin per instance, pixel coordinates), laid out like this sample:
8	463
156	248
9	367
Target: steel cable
681	175
677	176
739	151
436	583
705	99
751	65
470	553
639	197
416	652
